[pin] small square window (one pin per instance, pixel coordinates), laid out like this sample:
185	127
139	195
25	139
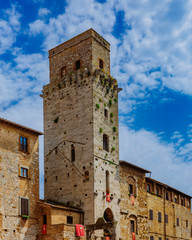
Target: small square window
23	144
24	172
69	220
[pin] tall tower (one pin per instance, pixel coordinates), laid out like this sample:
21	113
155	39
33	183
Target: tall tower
81	128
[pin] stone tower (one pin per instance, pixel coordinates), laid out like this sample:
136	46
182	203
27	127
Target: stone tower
81	128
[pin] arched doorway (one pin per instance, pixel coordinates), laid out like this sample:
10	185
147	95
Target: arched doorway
108	215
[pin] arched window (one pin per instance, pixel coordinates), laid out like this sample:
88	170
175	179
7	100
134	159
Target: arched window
101	63
77	65
133	224
105	142
108	215
72	153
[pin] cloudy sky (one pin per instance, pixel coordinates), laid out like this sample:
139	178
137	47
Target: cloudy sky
151	46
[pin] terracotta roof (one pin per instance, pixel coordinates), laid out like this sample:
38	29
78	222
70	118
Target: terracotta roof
19	126
167	186
134	166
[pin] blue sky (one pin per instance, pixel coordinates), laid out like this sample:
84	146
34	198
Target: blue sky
151	45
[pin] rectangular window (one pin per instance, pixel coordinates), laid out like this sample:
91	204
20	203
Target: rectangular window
177	222
69	220
23	144
159	216
130	189
44	219
157	191
151	214
186	223
148	188
106	113
77	65
151	237
132	225
24	172
160	238
166	218
24	206
167	196
182	201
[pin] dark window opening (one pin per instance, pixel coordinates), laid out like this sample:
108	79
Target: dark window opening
105	142
167	196
130	188
177	222
107	181
23	144
182	201
157	191
148	188
151	237
24	206
166	218
63	71
69	220
159	216
86	175
106	113
132	223
151	214
44	219
101	63
56	178
72	153
77	65
186	223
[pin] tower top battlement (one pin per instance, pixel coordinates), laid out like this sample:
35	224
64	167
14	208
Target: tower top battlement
91	33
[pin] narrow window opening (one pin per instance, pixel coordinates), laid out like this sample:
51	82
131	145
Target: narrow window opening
86	175
72	153
166	218
130	188
177	222
106	113
44	219
167	196
151	214
63	71
159	216
101	63
56	178
105	142
148	188
157	191
77	65
132	226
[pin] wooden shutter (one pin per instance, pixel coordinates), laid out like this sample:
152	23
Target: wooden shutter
24	206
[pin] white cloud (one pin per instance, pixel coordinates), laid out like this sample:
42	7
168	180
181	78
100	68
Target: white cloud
9	28
148	150
43	12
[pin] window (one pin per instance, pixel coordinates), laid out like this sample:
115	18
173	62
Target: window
24	172
132	223
159	216
63	71
130	188
157	191
186	223
177	222
105	142
101	63
151	237
175	199
44	219
69	220
107	180
160	238
77	65
166	218
24	207
106	113
148	188
23	144
151	214
167	196
72	153
182	201
86	175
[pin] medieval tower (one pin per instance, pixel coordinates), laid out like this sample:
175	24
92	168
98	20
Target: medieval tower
81	129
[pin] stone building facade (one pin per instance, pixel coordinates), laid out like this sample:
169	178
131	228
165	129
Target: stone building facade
85	183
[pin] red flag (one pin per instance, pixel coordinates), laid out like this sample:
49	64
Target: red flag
132	199
108	195
44	229
79	230
133	236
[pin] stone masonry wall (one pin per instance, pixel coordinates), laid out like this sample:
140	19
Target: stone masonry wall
12	186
